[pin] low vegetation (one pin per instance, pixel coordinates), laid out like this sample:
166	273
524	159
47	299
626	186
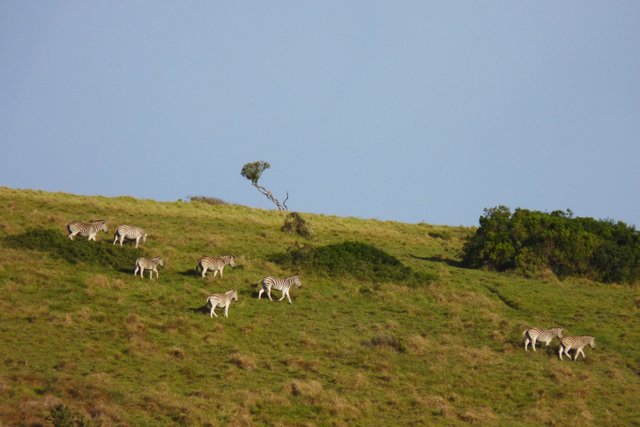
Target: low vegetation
411	338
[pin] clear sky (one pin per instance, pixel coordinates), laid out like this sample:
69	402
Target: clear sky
404	110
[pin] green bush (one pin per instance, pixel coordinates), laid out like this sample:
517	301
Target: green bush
75	251
355	259
530	241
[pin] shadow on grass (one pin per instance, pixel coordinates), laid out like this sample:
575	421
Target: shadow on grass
192	272
436	258
203	309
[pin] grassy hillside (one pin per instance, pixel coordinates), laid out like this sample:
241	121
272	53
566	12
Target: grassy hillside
78	329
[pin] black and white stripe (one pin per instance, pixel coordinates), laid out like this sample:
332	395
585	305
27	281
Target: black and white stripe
215	263
129	232
543	335
222	300
567	343
85	229
282	285
152	264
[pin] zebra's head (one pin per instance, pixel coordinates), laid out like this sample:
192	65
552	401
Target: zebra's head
592	342
101	224
231	261
557	332
296	281
234	295
159	261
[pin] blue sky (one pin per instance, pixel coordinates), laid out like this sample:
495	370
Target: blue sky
403	110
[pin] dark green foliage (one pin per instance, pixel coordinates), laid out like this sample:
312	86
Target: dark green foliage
295	224
531	241
355	259
75	251
253	171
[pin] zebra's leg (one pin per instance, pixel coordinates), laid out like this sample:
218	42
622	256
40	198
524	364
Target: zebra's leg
121	240
526	344
260	293
221	270
137	240
560	350
566	351
215	273
284	294
580	350
213	310
533	342
226	309
115	239
269	293
288	297
204	271
137	268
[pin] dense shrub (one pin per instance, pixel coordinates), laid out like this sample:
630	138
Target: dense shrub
355	259
295	224
75	251
531	241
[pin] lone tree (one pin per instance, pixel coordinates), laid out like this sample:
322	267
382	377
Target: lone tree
253	172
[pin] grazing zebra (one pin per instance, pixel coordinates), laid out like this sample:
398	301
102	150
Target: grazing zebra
86	229
143	264
222	300
216	264
280	284
567	343
543	335
129	232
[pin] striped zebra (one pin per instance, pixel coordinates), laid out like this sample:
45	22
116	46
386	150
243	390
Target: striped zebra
130	232
222	300
280	284
216	264
86	229
543	335
152	264
567	343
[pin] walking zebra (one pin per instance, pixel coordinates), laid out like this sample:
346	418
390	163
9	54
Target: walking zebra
222	300
152	264
543	335
129	232
567	343
86	229
280	284
216	264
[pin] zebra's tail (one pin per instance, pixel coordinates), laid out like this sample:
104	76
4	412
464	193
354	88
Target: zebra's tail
524	332
198	267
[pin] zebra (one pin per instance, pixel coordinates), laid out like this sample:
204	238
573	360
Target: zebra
148	264
129	232
280	284
86	229
222	300
216	264
543	335
567	343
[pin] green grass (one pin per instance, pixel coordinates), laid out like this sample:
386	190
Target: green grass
78	329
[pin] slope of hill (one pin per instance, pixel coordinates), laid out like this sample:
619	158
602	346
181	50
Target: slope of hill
80	335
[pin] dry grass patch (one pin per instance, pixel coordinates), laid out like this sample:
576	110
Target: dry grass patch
310	390
242	361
